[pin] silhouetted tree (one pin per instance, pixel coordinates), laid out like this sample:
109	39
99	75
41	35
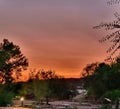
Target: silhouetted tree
105	78
114	36
47	75
89	69
88	73
11	61
41	90
42	75
48	84
111	2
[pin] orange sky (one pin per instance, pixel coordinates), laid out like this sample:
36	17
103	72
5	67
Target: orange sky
56	34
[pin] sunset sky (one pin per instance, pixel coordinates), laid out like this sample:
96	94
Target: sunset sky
57	34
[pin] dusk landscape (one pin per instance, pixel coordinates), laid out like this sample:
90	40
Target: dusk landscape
59	54
56	35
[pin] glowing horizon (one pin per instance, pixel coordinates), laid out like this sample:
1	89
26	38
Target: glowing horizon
56	34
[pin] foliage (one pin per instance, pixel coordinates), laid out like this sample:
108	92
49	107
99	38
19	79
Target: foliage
41	89
89	69
5	97
114	36
45	79
105	78
111	2
42	75
44	85
26	89
106	106
16	87
112	95
59	88
11	60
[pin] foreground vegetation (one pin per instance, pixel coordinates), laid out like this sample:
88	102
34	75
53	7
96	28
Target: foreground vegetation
102	81
40	85
38	90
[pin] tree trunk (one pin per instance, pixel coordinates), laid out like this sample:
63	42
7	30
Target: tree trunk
117	104
47	100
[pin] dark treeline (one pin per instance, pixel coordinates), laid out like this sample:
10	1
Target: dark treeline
40	85
101	80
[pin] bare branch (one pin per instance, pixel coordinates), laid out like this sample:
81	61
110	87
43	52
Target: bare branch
112	2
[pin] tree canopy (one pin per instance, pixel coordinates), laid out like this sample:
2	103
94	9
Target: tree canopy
114	35
11	61
106	77
111	2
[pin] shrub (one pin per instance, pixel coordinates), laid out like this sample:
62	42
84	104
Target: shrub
6	98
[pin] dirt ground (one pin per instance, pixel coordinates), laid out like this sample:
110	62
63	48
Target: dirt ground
53	105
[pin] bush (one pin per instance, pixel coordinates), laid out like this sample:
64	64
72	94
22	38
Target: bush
107	106
113	95
6	98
